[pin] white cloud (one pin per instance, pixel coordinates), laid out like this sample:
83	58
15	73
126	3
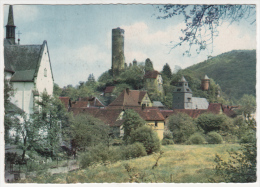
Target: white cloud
78	63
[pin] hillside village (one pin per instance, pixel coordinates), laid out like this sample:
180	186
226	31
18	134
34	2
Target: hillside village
155	99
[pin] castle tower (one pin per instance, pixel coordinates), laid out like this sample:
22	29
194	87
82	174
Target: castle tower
118	57
205	83
182	95
10	27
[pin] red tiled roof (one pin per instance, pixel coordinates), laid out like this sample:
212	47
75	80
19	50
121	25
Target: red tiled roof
129	98
65	101
194	113
87	102
151	74
215	108
148	114
109	89
108	116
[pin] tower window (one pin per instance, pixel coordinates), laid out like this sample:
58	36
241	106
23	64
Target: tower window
178	90
189	99
188	89
45	72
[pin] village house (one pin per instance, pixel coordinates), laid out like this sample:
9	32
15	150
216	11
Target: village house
153	82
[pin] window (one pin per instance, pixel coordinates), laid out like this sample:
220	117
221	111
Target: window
189	99
186	84
45	72
187	90
178	90
156	124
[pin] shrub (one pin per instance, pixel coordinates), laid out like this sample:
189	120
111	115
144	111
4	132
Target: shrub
167	142
196	138
147	137
133	151
214	138
182	127
248	138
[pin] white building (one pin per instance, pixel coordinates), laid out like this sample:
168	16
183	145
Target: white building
28	67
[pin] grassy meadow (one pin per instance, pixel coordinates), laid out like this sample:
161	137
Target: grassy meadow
178	164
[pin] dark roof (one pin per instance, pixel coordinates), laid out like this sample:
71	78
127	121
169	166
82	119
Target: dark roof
151	74
109	89
12	108
25	76
10	21
129	98
27	58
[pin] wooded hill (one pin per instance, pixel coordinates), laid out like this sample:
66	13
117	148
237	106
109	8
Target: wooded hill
234	71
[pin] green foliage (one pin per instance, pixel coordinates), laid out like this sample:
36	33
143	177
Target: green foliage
56	90
132	76
147	137
248	107
182	126
167	142
214	138
166	72
88	131
132	122
134	150
196	138
234	71
148	65
211	122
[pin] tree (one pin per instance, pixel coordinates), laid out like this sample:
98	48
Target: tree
202	21
248	107
166	72
87	131
56	90
211	122
182	126
148	65
47	119
132	121
148	137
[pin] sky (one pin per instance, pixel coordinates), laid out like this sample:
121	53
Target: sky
79	37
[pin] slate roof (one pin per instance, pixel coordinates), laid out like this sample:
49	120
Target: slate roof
199	103
12	108
10	21
151	74
109	89
24	60
129	98
157	104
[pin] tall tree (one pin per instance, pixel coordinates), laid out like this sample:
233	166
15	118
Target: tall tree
167	72
132	121
202	21
148	65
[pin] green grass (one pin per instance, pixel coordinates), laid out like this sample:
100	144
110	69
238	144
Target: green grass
179	164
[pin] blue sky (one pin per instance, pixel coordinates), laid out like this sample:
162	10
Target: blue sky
79	37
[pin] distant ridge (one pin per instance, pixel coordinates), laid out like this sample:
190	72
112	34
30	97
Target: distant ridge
234	71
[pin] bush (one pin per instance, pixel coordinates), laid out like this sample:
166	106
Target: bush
167	142
248	138
133	151
196	138
147	137
182	127
214	138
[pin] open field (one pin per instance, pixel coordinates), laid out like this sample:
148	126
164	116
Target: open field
179	164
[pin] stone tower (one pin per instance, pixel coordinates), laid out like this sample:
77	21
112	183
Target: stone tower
10	27
205	83
182	95
118	57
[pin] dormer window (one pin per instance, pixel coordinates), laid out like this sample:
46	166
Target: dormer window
45	72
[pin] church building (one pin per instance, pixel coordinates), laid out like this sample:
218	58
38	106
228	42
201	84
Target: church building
27	67
182	97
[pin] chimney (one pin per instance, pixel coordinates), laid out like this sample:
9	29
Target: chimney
127	91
